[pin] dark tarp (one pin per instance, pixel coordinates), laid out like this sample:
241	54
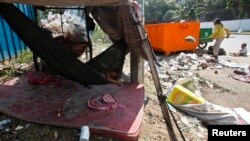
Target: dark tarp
118	23
70	2
51	51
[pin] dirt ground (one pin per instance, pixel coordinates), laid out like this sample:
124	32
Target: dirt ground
226	92
229	92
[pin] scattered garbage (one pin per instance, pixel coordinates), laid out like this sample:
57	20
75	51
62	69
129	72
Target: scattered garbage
221	51
188	84
24	67
204	65
69	25
19	128
178	77
240	71
242	74
181	95
243	78
171	107
215	114
243	115
189	123
190	39
84	135
182	66
27	126
3	123
230	64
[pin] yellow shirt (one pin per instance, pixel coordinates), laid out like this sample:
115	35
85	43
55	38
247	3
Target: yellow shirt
219	32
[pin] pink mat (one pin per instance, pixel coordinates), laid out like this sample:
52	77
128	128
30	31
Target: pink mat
66	106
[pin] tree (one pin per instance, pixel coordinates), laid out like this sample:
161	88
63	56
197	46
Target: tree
240	8
154	10
206	10
170	15
245	11
160	10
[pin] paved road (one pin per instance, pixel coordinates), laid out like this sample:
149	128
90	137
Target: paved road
233	43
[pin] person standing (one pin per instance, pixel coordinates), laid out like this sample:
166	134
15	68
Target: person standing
218	35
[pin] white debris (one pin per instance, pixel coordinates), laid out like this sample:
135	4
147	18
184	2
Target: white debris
190	39
183	66
228	63
69	25
19	128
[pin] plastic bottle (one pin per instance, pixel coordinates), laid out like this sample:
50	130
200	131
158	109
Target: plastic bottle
3	122
84	135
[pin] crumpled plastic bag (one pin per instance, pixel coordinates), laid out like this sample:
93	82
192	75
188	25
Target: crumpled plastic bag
210	113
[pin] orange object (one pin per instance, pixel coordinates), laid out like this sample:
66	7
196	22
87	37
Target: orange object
170	37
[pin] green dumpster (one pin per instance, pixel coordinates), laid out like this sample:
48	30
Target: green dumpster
204	37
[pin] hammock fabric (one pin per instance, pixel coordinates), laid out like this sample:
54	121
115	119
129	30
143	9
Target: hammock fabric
64	63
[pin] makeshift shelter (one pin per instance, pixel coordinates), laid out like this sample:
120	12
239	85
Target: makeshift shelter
44	46
119	22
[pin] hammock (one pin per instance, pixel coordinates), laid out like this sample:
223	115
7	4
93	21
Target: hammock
55	56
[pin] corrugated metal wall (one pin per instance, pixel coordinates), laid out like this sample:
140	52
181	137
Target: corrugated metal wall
10	44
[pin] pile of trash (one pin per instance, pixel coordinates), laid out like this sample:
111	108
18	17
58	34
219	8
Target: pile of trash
179	78
69	25
175	69
183	66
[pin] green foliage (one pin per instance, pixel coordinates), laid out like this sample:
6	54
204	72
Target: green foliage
100	37
206	10
25	57
240	8
11	71
160	11
170	16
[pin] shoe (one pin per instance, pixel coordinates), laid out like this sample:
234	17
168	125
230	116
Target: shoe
106	102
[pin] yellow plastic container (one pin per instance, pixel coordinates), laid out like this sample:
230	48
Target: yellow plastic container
170	37
181	95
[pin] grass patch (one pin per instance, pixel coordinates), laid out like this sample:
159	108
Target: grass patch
11	68
25	57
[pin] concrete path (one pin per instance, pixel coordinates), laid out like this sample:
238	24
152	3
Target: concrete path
233	43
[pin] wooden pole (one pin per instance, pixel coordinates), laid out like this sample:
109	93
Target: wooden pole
137	62
136	68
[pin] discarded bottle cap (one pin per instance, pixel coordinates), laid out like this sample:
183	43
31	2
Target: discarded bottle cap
84	135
